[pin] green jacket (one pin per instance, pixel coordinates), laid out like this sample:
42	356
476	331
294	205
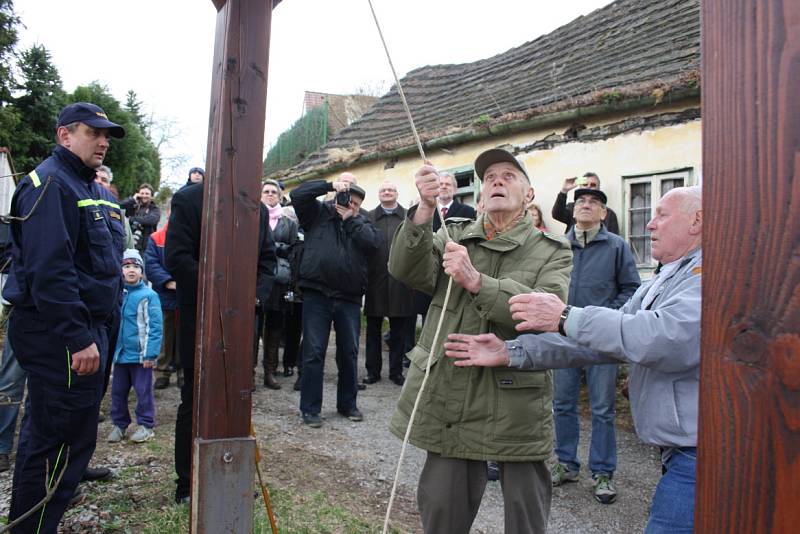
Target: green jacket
473	412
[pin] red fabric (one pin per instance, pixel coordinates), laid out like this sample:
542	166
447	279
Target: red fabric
160	235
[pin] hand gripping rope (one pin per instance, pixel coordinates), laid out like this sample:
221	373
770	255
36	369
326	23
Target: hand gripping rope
449	282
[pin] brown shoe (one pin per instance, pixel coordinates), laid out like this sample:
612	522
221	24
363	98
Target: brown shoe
270	383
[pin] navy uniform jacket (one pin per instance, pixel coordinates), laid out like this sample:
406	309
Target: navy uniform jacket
65	276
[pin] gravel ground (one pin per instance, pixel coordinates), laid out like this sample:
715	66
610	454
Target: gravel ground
366	455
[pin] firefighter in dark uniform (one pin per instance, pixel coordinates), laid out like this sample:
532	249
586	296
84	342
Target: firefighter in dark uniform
64	286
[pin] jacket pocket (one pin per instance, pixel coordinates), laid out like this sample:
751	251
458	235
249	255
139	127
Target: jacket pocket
519	413
100	249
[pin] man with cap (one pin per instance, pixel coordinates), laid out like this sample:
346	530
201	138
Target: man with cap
563	211
196	175
603	274
65	286
468	416
333	277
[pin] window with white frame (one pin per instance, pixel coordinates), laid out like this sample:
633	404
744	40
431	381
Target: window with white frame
642	193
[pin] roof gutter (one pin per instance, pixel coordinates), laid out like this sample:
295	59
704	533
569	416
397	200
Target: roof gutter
479	133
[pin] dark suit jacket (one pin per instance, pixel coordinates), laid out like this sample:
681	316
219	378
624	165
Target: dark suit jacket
457	209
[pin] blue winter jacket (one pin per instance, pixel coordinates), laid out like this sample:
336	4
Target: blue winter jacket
603	271
140	328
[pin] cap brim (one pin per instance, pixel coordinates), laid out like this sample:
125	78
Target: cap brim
115	130
496	155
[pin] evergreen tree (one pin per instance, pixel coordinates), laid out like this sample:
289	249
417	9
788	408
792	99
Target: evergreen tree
38	106
134	159
9	118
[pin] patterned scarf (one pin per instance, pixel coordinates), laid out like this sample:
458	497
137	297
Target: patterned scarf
493	231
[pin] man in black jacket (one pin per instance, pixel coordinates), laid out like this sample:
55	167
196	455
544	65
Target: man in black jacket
562	211
143	215
181	256
387	297
333	277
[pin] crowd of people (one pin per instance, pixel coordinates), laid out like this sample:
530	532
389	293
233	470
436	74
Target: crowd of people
102	295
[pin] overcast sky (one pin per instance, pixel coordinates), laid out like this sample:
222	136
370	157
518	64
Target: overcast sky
163	50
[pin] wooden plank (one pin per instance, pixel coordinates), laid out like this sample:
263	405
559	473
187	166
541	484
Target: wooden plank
749	458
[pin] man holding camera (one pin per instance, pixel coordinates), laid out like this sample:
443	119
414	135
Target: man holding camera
333	277
143	214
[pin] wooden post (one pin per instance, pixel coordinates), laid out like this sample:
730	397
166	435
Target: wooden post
749	459
224	453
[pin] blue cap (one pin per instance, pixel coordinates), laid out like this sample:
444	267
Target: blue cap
90	115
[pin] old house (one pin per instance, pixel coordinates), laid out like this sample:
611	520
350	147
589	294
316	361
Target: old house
615	92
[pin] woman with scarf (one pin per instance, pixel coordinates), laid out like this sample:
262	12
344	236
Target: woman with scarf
270	316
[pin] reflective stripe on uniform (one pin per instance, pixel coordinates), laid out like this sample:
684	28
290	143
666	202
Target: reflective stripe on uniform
69	370
35	179
49	486
92	202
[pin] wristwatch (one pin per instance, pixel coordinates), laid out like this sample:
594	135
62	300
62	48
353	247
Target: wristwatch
563	319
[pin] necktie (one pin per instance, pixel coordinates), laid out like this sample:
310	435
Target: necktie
444	213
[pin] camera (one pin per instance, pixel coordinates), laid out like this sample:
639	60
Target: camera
343	198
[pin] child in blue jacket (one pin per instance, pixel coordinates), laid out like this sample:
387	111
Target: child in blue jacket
138	346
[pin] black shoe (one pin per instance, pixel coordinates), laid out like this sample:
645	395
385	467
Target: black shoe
493	470
361	387
269	382
162	382
371	379
398	379
312	419
288	372
182	499
96	474
100	418
5	463
354	414
297	384
76	498
406	362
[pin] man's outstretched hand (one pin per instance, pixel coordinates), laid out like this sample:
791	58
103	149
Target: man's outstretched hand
539	312
482	350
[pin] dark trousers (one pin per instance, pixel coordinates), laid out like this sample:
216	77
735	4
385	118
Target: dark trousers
273	331
59	426
292	331
450	492
127	375
319	312
168	358
398	328
183	420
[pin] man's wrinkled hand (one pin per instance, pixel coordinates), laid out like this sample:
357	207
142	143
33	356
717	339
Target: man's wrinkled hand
483	350
536	311
456	263
86	361
427	182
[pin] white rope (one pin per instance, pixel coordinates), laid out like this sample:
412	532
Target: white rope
446	295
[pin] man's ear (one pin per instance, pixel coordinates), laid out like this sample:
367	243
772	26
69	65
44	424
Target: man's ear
697	223
62	135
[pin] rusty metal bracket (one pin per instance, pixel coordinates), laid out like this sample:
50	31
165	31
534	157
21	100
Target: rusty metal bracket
225	470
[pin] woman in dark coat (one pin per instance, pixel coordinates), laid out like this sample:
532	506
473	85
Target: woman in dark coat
284	231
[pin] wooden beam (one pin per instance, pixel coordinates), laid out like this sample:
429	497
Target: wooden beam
749	458
226	294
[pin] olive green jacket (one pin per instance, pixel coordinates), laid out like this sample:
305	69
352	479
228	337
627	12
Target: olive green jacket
474	412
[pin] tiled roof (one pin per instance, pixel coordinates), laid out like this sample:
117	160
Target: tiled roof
612	51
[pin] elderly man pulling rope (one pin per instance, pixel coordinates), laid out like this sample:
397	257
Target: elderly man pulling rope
470	415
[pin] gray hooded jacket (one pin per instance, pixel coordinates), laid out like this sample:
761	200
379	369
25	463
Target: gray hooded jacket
661	342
